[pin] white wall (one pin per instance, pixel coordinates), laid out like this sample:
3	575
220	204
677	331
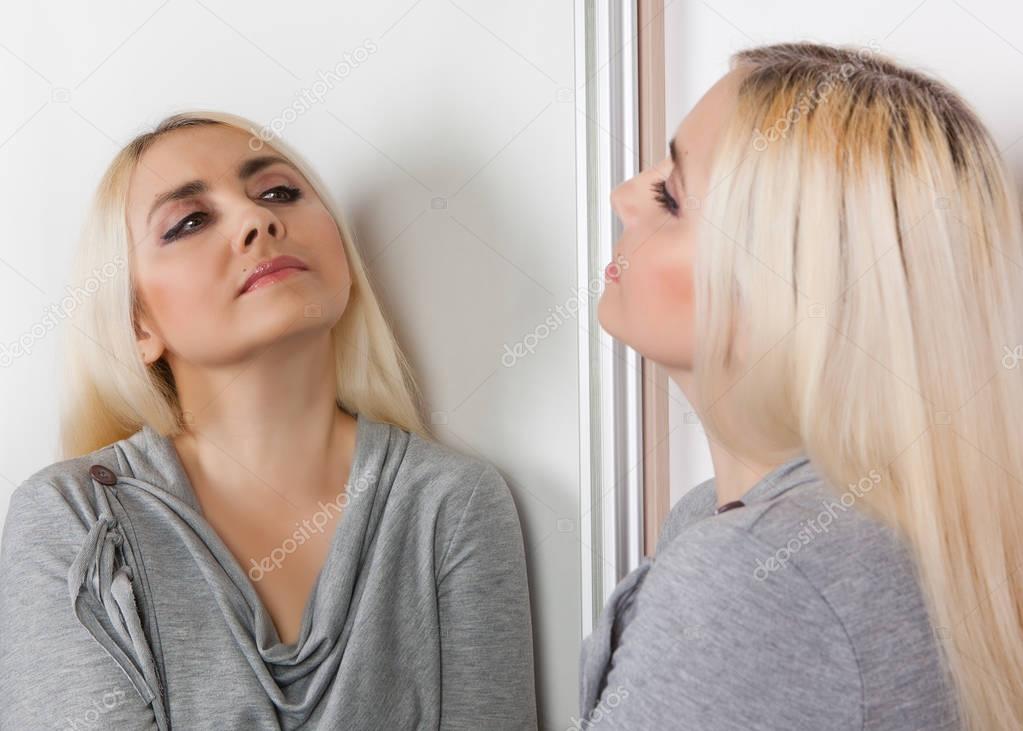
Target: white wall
977	47
446	142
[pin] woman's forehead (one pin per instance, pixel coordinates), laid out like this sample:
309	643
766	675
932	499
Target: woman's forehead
195	147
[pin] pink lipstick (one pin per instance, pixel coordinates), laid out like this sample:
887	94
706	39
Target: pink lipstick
272	270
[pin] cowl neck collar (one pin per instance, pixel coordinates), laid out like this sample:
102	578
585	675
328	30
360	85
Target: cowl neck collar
150	456
149	461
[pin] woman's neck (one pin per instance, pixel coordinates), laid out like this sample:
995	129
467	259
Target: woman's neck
269	426
734	473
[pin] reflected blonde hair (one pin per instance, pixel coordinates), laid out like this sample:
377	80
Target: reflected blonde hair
863	237
109	392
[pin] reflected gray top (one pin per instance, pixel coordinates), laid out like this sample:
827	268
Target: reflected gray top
122	608
795	611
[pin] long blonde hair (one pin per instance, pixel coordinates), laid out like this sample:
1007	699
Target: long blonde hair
110	393
863	238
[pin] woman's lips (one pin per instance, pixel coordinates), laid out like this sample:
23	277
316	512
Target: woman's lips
268	279
272	270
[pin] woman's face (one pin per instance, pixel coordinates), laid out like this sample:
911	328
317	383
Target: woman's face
193	253
650	306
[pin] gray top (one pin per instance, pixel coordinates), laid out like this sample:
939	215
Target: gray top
122	608
796	611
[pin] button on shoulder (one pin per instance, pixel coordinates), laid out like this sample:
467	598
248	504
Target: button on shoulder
102	475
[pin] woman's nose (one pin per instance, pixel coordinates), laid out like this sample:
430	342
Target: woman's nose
258	222
622	203
616	199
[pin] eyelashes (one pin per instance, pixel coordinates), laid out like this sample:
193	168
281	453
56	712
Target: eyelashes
181	228
662	196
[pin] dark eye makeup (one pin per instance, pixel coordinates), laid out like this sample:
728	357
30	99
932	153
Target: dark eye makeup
182	229
662	196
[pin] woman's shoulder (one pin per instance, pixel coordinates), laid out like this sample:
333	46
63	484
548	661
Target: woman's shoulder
805	569
816	550
696	504
458	503
705	614
807	540
64	486
810	527
809	553
51	512
439	479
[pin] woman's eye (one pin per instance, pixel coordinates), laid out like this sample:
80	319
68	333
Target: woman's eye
662	196
293	194
280	194
182	228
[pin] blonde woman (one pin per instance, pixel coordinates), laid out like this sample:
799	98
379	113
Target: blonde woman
252	528
830	263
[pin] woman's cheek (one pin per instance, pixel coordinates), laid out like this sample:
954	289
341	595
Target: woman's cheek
182	301
673	285
671	311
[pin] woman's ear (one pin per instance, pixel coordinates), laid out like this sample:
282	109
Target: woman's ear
149	344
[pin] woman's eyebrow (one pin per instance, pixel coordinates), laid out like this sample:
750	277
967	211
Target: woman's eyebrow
675	158
246	169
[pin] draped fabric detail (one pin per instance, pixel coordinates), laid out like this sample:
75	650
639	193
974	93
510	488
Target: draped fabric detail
103	600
